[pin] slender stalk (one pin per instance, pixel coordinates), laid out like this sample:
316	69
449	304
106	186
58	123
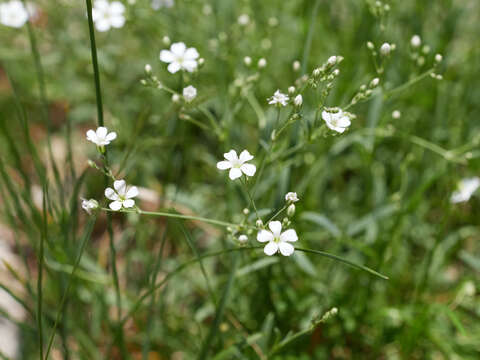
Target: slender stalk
98	95
86	237
402	87
277	213
43	237
244	183
179	216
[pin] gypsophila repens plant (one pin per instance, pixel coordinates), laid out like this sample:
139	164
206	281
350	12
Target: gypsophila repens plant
239	179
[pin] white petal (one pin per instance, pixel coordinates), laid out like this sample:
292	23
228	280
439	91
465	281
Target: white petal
344	122
231	155
117	8
271	248
245	156
102	132
102	25
120	186
111	194
167	56
112	136
191	54
115	206
264	236
289	235
92	136
286	249
224	165
128	203
178	48
173	67
131	192
458	197
235	173
276	227
248	169
117	21
189	65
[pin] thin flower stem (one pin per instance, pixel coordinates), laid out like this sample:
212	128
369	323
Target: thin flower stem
244	182
402	87
308	41
277	213
98	95
43	237
179	216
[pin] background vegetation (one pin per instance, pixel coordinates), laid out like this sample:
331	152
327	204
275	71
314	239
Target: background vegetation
379	194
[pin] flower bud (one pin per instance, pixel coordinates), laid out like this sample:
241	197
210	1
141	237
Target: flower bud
291	90
247	60
259	223
262	63
296	65
148	68
370	45
246	211
243	239
438	58
415	41
374	83
332	60
385	49
166	40
298	101
291	210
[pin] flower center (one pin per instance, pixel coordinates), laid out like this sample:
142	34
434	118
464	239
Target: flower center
276	239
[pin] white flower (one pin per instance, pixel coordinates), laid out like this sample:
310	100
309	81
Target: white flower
438	58
291	197
277	240
332	60
89	205
101	137
189	93
337	121
180	57
13	14
158	4
415	41
278	98
296	65
374	83
298	101
237	165
243	238
385	49
396	114
247	60
108	14
466	188
121	196
262	63
243	19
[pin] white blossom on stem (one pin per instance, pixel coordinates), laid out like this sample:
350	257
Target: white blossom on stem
278	98
277	240
465	189
179	57
337	121
101	136
237	165
108	14
121	196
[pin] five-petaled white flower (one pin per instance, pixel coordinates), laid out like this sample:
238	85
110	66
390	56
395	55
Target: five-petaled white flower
337	121
158	4
13	14
466	188
108	14
277	240
101	136
291	197
237	165
278	98
121	196
189	93
89	205
180	58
